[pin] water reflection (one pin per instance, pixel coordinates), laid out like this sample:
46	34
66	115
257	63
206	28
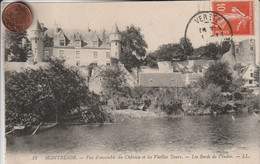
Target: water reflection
211	133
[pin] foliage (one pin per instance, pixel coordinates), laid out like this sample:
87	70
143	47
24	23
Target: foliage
219	74
18	45
114	83
169	52
44	92
211	96
186	46
151	60
133	47
211	51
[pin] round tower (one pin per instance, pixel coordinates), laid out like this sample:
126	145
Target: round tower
115	39
37	42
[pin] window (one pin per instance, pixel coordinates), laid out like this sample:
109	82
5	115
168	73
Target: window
107	54
237	50
77	63
62	42
116	54
78	43
46	53
250	81
94	64
36	52
95	54
108	63
116	44
77	54
95	43
252	74
62	53
251	48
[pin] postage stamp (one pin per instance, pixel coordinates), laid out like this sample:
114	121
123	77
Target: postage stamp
240	14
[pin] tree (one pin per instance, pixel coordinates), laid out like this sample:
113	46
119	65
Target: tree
211	51
115	85
44	92
18	45
151	60
114	81
169	52
186	46
133	47
219	74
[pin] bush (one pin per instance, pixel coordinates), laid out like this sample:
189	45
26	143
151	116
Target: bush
43	93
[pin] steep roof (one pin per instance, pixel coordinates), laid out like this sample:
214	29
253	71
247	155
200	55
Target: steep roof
230	56
87	36
115	29
36	26
193	77
174	79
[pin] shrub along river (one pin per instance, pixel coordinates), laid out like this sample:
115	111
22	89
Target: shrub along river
213	134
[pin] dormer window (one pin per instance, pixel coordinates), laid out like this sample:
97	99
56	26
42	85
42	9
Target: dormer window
95	43
78	43
62	42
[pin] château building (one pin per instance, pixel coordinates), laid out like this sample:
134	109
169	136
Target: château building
78	48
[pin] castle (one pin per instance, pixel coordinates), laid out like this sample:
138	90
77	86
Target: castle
78	48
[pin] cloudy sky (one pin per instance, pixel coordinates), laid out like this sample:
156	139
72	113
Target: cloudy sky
160	22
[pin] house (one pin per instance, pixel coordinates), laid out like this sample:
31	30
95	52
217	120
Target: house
248	75
241	59
77	47
161	77
157	80
192	66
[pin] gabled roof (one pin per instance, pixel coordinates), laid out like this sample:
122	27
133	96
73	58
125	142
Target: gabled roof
174	79
193	77
87	36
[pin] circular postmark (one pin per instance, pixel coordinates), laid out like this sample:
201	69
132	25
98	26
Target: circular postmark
17	17
207	27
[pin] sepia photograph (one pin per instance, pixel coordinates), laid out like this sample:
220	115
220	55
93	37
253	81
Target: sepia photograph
130	82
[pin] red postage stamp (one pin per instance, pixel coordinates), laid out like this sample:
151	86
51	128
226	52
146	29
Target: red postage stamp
240	15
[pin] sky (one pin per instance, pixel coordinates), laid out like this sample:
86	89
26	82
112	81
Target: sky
160	22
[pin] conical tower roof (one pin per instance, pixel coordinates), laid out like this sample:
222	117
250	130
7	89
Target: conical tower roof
36	26
230	56
115	29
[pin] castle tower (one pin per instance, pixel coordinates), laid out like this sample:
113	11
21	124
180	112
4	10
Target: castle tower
37	42
230	56
115	39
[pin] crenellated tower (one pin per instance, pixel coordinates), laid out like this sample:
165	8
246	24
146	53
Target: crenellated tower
37	42
115	39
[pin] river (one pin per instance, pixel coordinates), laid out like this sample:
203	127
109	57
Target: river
211	134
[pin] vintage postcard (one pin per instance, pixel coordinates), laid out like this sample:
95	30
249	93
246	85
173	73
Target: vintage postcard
130	82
